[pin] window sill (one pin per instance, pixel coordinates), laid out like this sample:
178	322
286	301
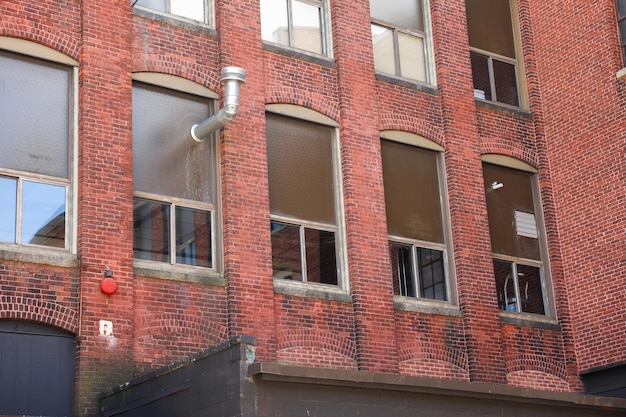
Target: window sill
308	290
529	320
178	273
426	306
178	21
299	54
408	83
39	256
621	74
504	108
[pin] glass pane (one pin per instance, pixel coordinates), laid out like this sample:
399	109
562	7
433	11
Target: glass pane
166	160
384	55
490	27
529	278
192	9
152	230
505	285
432	274
274	22
506	82
321	256
515	194
193	237
402	269
411	50
8	204
286	255
412	197
480	76
43	214
405	13
159	5
307	27
35	103
621	8
300	167
622	31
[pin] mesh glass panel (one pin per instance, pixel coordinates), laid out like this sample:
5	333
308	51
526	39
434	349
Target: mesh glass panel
506	82
489	26
166	160
35	115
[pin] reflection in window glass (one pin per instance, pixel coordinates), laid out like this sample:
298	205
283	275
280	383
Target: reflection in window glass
274	21
402	269
152	226
286	252
505	80
384	58
321	259
191	9
43	214
8	205
411	53
193	237
307	23
432	274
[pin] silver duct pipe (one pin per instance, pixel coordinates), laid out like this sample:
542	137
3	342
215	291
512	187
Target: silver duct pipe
232	78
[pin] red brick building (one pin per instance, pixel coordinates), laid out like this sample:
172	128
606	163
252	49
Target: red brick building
418	209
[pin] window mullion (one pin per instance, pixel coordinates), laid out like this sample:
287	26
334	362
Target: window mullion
518	301
18	212
173	248
303	253
492	79
396	51
416	272
168	6
290	23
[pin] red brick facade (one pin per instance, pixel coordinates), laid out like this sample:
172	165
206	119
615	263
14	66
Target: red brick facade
573	134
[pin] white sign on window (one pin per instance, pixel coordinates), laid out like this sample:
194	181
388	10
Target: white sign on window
526	224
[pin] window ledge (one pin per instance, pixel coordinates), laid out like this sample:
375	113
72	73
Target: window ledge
299	54
308	290
426	306
621	74
40	256
529	320
178	273
173	20
504	108
405	82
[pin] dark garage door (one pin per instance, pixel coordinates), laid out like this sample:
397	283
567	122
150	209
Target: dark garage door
36	370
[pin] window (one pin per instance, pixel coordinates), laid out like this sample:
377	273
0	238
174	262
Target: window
516	239
36	99
199	10
301	24
174	178
494	53
302	200
416	221
621	22
401	39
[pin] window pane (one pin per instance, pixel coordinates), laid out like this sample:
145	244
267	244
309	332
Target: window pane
300	167
286	254
402	269
8	204
405	13
489	26
193	237
621	8
411	51
412	196
516	194
307	26
151	230
274	23
43	214
505	285
432	274
531	294
159	5
480	76
506	82
192	9
35	103
166	160
384	56
321	258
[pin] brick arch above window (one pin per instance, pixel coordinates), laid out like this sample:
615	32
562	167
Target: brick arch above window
40	311
515	152
37	50
315	102
173	66
412	125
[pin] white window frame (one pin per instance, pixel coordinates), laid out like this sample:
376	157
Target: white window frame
177	84
343	281
427	38
412	139
544	263
35	50
209	18
325	27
